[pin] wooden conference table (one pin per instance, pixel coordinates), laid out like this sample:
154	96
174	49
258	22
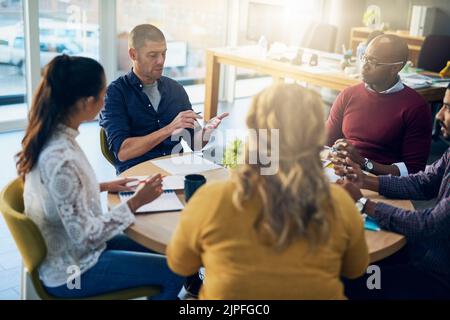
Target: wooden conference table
154	230
327	74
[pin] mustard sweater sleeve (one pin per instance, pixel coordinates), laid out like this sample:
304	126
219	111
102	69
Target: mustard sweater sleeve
185	248
356	256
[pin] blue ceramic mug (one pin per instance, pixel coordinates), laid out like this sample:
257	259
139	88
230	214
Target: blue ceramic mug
191	183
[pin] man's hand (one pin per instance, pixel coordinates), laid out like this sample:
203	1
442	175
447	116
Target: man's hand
345	149
213	124
351	188
349	170
184	120
216	121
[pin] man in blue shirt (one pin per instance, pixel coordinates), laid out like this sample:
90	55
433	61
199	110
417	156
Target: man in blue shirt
146	114
425	272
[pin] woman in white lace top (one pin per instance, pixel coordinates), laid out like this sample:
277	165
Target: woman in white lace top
62	195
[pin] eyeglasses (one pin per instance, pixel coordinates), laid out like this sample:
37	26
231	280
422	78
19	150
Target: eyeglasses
374	63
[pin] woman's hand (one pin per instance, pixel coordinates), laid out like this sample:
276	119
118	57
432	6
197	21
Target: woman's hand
119	185
150	190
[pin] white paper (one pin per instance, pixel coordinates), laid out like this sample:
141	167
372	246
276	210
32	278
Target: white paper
173	183
442	84
187	164
329	172
415	80
168	201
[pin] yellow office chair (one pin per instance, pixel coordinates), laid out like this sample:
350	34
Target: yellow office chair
105	149
33	249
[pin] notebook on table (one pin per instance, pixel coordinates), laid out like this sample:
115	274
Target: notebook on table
167	201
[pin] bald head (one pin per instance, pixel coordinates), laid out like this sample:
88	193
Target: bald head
385	57
373	35
389	48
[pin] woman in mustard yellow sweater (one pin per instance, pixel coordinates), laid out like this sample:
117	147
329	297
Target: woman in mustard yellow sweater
284	235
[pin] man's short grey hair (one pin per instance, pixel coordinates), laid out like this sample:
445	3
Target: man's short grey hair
143	33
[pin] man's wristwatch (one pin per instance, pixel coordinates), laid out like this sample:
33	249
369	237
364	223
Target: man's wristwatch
368	165
361	203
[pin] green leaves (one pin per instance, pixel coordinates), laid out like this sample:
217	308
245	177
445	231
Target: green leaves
232	153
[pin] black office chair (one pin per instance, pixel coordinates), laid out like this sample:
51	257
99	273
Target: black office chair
435	53
433	56
320	36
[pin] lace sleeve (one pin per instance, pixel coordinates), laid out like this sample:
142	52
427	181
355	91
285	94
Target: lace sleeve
78	205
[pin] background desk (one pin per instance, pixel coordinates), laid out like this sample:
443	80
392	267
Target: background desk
154	231
249	58
360	34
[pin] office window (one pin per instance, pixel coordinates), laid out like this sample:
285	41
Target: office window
68	27
12	81
294	16
294	19
190	27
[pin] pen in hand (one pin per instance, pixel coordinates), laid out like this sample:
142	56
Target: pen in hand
197	124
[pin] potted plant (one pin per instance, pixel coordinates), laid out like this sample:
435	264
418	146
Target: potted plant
232	154
372	17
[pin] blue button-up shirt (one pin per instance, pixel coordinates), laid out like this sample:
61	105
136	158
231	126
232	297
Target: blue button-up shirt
129	113
427	231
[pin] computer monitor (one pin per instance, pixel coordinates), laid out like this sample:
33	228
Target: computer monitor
266	20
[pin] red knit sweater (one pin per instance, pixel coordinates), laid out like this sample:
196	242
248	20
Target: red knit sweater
386	128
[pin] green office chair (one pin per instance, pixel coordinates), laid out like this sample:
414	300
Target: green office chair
105	149
33	249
